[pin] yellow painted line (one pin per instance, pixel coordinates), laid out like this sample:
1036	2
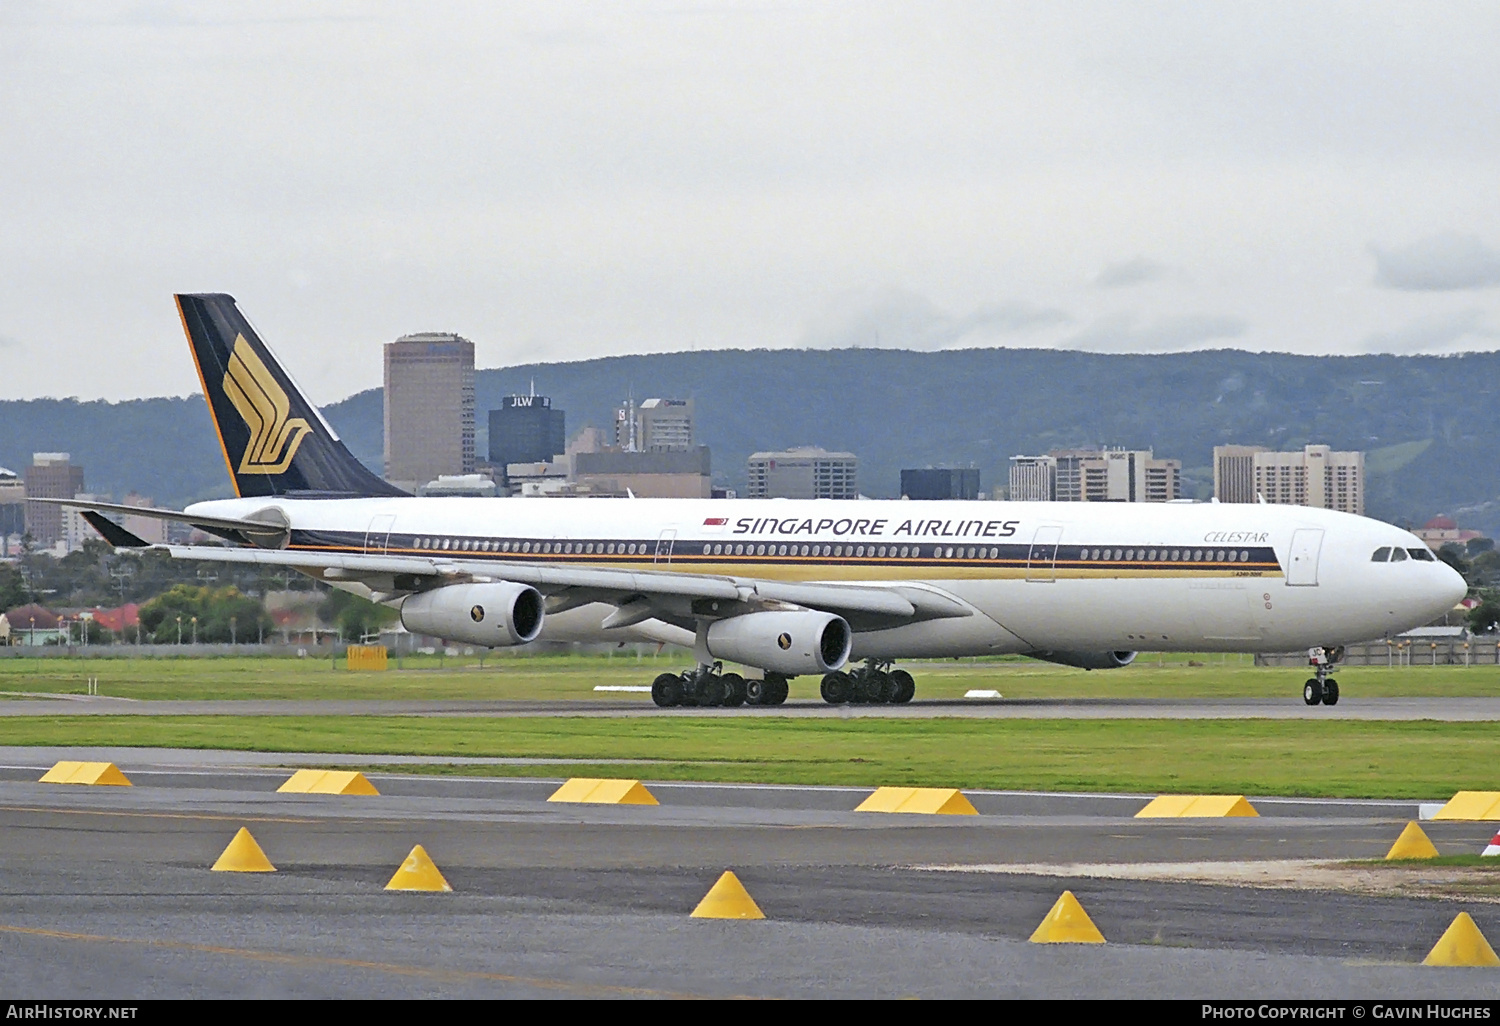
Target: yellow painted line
279	958
177	815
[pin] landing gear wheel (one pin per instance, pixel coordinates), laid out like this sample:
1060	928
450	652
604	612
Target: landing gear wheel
837	688
903	687
1312	692
666	690
734	690
779	690
758	692
878	688
1330	692
711	691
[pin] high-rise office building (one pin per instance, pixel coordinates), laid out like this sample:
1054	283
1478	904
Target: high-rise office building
1316	476
1234	472
940	483
12	507
806	472
50	476
1033	479
429	408
654	425
1111	475
526	429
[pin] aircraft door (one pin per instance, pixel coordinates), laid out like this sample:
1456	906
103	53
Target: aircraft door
1303	568
1041	560
664	547
378	534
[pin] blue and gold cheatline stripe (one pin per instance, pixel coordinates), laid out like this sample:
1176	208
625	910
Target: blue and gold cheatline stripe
825	560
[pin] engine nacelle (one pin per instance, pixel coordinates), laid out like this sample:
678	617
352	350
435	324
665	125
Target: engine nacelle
1087	660
790	642
493	615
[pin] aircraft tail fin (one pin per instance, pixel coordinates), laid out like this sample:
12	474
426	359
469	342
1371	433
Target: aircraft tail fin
275	441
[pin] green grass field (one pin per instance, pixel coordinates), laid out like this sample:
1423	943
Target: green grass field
1310	756
569	677
1285	757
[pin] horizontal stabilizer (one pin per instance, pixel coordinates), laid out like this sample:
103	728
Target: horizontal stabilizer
113	532
216	524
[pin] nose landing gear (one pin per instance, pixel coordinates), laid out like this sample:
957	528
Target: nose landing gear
1321	689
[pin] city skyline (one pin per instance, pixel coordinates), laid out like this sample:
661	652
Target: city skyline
1098	177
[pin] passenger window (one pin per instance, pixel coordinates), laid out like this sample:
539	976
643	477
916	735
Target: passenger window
1382	554
1398	555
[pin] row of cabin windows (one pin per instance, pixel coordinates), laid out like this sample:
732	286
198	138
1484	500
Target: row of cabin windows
570	548
1168	555
837	551
1388	554
878	551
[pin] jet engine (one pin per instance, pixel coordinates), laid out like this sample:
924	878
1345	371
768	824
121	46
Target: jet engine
495	615
789	642
1087	660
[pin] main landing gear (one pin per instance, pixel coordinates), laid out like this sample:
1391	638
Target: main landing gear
1321	688
875	682
706	686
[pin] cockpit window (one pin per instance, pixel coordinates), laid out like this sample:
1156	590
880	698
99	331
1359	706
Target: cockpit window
1398	555
1382	554
1423	554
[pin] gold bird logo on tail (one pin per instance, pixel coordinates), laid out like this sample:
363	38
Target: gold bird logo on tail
274	436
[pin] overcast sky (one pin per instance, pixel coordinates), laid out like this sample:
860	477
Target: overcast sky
560	181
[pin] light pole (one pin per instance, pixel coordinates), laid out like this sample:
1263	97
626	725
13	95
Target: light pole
179	630
233	633
195	630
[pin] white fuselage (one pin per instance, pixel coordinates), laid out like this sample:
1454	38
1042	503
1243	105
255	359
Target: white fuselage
1038	576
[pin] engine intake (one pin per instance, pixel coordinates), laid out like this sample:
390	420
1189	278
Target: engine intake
789	642
494	615
1087	660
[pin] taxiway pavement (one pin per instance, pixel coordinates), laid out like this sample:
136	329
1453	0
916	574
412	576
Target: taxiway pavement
106	892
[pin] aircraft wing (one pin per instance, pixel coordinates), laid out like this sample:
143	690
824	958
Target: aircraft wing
638	595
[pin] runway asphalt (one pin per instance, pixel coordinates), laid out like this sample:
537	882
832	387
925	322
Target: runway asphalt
1468	709
106	893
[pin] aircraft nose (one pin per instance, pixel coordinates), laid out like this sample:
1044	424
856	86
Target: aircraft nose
1450	587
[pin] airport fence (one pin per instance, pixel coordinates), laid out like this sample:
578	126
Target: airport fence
1478	650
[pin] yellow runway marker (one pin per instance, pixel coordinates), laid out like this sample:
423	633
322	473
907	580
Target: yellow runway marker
418	873
85	773
1462	944
727	899
1471	805
316	781
243	856
603	791
1067	923
942	801
1412	844
1196	806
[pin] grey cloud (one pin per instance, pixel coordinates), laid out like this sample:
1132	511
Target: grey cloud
1438	264
1129	272
1433	334
8	342
1120	333
897	319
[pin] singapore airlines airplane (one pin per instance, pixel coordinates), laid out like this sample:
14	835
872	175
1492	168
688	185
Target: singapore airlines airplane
788	587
